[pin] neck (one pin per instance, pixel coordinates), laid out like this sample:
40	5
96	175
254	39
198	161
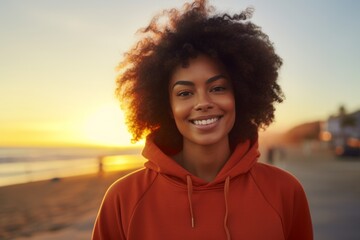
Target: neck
206	161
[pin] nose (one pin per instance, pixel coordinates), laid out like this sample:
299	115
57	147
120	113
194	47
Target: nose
204	103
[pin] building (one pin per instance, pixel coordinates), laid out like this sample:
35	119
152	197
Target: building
343	133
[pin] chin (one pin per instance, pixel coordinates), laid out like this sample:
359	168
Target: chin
206	140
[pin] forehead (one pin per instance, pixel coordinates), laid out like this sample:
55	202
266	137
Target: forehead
201	67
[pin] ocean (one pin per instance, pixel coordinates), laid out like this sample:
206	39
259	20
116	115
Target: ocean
27	164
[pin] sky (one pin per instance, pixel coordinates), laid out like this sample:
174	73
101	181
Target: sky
58	60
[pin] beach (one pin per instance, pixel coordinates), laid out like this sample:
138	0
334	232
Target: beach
60	208
66	208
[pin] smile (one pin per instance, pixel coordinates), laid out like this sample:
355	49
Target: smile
204	122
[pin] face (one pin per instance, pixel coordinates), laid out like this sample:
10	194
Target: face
202	101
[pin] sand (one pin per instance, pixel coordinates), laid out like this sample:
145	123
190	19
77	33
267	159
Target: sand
53	209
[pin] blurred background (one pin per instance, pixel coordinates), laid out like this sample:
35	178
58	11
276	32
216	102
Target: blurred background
63	140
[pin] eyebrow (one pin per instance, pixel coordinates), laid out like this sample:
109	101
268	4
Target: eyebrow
189	83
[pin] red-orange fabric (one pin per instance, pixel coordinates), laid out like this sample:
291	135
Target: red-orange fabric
247	200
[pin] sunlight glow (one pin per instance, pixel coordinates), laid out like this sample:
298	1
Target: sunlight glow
116	163
106	126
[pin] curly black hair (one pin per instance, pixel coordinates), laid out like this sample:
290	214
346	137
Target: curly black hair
175	36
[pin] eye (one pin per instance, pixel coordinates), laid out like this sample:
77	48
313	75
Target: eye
218	89
184	94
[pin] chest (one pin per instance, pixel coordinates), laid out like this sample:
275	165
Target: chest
165	212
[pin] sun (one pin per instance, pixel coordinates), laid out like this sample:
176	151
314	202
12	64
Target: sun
106	126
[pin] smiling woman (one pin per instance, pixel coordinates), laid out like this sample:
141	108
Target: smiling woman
200	86
106	126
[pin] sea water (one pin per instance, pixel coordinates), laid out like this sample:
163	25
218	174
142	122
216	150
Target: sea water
21	165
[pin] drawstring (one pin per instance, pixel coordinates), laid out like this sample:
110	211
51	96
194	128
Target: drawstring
226	194
189	186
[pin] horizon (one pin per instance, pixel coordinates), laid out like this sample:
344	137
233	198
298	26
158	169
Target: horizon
58	64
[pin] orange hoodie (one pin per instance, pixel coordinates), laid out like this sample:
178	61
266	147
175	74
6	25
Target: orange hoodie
247	200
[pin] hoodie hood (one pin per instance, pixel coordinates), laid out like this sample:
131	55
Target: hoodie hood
244	156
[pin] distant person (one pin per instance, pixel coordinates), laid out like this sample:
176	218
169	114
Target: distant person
270	155
200	85
100	165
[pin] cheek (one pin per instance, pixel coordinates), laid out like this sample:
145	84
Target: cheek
179	109
228	103
231	104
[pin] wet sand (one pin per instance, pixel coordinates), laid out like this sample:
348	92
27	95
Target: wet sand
49	209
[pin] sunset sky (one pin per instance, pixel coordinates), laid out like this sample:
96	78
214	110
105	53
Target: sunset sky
58	59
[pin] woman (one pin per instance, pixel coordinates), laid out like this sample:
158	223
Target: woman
200	87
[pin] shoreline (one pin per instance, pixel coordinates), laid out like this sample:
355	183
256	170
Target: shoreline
22	165
29	210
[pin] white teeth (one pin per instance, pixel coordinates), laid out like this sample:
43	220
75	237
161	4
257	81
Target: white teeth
205	121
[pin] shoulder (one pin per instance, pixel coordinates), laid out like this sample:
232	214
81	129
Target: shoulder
279	187
284	193
119	203
132	185
281	190
123	196
274	177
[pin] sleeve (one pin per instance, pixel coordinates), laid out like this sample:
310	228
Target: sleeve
108	225
301	224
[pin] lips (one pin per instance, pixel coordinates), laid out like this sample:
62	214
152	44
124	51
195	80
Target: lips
204	122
